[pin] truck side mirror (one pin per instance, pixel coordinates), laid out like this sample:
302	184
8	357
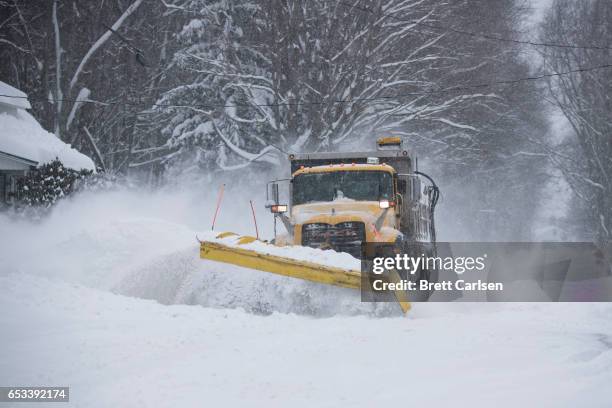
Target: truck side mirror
272	192
273	198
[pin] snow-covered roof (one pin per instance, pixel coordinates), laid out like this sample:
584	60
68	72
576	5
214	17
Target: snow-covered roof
21	135
13	97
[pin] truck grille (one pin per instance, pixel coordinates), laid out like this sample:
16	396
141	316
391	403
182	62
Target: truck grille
343	237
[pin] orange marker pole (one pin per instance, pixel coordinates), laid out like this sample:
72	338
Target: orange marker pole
221	189
254	219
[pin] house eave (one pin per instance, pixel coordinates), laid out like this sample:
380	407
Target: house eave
19	159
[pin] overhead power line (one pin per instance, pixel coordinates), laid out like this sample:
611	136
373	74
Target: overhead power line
432	92
485	36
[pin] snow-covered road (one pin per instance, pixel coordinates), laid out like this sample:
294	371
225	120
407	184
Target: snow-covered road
119	351
74	314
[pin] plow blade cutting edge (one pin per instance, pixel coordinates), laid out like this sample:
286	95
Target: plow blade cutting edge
280	265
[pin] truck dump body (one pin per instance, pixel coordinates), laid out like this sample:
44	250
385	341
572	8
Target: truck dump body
401	160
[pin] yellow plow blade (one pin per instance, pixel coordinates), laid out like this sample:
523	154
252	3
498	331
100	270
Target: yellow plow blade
280	265
310	271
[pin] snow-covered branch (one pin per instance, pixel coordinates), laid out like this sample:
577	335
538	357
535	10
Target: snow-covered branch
96	45
82	97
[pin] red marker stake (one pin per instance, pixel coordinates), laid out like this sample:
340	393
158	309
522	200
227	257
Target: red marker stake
218	205
254	219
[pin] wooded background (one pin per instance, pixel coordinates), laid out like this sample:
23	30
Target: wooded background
159	88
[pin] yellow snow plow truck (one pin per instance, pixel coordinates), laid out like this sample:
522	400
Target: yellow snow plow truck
339	201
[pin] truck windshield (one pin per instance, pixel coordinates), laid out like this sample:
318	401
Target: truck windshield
337	185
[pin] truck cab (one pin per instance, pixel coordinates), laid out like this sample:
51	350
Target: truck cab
339	200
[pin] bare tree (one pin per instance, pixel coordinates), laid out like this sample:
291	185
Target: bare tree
96	65
584	98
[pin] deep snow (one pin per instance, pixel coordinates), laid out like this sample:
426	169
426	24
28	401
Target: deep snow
119	351
71	290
